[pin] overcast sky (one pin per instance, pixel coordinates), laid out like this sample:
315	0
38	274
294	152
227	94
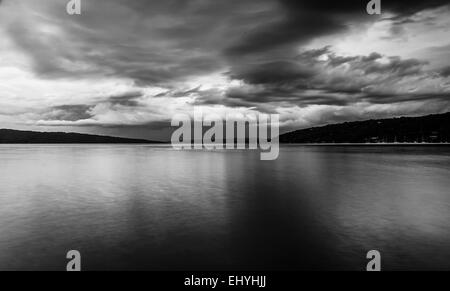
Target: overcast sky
124	67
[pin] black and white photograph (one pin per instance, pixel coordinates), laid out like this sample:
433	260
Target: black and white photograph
246	136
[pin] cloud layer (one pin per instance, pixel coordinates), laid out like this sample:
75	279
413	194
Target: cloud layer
127	64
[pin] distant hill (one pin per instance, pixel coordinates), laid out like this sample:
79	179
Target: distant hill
427	129
24	137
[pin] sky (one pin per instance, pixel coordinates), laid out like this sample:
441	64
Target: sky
125	67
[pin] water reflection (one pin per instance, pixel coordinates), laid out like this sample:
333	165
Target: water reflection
146	207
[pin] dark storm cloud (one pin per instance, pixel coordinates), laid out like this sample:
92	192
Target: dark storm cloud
151	42
78	112
69	112
396	66
297	69
445	72
320	77
293	29
130	99
389	98
289	96
161	42
305	20
354	6
180	93
175	44
272	72
303	68
266	59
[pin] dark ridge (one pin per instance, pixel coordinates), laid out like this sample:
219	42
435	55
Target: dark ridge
426	129
26	137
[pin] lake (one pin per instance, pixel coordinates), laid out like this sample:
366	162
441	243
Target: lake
147	207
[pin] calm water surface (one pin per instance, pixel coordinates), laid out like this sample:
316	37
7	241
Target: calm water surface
131	207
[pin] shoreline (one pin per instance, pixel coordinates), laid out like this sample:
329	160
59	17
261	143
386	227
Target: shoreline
281	144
